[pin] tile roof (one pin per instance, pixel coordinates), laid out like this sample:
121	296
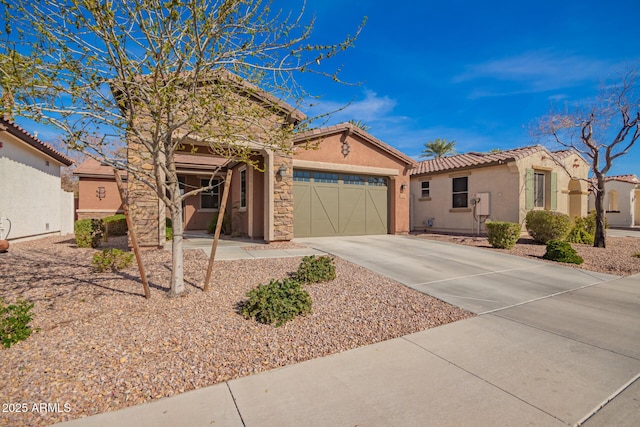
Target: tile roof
11	127
474	159
92	167
630	178
348	127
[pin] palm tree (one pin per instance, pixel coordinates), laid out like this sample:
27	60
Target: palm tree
438	148
359	124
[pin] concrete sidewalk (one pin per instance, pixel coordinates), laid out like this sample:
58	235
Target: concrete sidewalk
550	347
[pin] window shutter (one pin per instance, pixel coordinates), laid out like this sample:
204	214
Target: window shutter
528	190
554	191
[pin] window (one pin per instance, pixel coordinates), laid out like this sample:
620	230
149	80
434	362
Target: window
243	188
377	181
613	201
538	190
353	179
460	192
299	175
210	199
325	177
424	186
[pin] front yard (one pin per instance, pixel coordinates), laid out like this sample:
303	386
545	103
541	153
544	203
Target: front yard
102	346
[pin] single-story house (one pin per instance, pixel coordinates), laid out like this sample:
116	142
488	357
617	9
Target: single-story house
98	194
621	200
339	180
459	193
32	202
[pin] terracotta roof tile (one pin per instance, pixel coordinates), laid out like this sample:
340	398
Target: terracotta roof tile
630	178
10	126
474	159
92	167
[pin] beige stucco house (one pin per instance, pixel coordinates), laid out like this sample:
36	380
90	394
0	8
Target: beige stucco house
459	193
32	202
621	200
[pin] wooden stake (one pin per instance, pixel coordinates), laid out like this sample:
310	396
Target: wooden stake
132	233
223	205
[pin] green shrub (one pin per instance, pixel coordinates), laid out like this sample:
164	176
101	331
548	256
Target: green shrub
590	225
14	322
88	232
503	235
279	301
115	225
111	259
561	251
226	226
546	225
168	229
316	270
579	233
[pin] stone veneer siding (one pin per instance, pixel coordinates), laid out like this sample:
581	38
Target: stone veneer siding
143	201
283	199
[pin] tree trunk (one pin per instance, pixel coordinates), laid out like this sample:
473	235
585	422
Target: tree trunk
599	239
177	252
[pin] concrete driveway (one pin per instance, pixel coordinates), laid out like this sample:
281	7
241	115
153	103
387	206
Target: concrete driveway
478	280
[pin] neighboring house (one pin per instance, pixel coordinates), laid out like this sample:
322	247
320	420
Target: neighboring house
458	193
98	195
621	200
31	197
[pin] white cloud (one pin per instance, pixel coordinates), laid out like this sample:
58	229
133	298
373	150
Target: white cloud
535	71
372	108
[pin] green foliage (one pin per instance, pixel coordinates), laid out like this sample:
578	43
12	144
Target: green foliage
14	322
561	251
316	270
547	225
115	225
438	148
579	233
590	225
503	235
88	232
226	224
168	229
279	302
636	255
111	259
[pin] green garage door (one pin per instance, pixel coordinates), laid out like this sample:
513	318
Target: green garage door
332	204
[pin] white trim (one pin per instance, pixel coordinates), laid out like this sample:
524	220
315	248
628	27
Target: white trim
336	167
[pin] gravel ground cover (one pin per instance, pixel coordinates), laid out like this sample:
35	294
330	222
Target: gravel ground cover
617	258
102	346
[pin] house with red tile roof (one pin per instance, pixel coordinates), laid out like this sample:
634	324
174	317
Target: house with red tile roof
621	200
32	202
460	193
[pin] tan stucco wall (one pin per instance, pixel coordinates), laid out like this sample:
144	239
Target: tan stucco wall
506	184
363	158
501	181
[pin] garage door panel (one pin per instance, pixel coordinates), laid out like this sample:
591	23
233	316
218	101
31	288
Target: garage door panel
324	211
352	208
376	211
328	204
302	209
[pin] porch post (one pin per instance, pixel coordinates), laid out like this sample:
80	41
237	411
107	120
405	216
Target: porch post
268	201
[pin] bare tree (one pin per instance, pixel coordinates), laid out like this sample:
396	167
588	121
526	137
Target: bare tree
158	74
601	131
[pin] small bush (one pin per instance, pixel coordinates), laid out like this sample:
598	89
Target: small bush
590	223
211	225
88	232
278	302
558	250
546	225
14	322
168	229
579	233
503	235
316	270
115	225
111	259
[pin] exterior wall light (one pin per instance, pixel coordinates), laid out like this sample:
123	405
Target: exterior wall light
403	187
282	171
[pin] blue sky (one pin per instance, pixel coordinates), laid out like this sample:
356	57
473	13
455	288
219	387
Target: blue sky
479	73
